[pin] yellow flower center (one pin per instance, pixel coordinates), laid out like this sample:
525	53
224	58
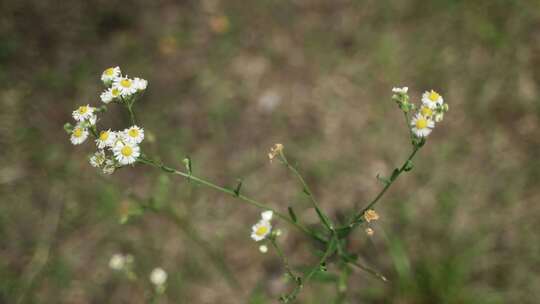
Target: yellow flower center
421	123
126	151
78	132
115	92
133	132
109	71
104	135
126	83
426	111
262	230
83	109
434	96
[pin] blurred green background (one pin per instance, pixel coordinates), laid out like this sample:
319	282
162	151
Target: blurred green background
227	80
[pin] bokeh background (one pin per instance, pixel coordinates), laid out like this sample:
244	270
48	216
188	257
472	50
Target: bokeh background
227	80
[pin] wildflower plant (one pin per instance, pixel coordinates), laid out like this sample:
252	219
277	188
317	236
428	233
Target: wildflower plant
120	148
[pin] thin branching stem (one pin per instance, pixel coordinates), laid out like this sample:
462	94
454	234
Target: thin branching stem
284	260
357	219
330	249
242	197
324	218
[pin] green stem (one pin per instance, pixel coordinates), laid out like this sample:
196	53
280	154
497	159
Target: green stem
357	219
248	200
329	251
131	114
324	218
284	260
408	122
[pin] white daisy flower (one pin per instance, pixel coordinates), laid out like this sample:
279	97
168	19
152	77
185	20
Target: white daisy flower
267	215
422	126
261	230
83	113
158	277
403	90
432	99
426	111
79	135
117	262
98	159
263	249
106	139
125	86
126	153
134	134
110	94
109	75
140	84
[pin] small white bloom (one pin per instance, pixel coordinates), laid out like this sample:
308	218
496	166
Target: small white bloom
126	153
140	84
439	116
422	126
109	167
403	90
117	262
110	75
106	139
278	232
97	159
261	230
79	135
134	134
267	215
263	249
125	86
158	276
83	113
432	99
110	94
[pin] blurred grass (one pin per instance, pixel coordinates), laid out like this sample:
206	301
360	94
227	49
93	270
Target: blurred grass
314	75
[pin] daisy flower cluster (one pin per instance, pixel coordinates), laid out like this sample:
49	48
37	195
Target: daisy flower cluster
120	88
114	148
431	110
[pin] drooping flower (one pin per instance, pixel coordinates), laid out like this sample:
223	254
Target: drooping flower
275	151
109	167
422	126
98	159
